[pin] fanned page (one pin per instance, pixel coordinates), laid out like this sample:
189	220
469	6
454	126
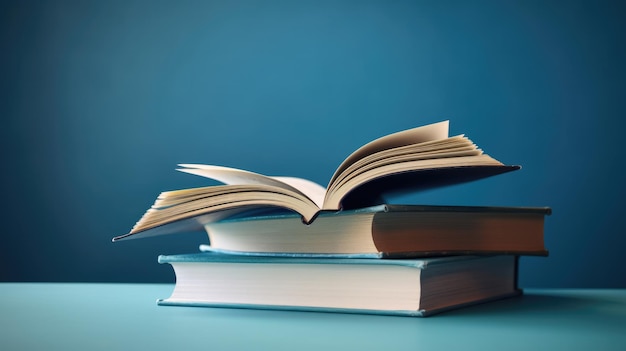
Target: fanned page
431	132
178	205
456	151
451	147
234	176
312	190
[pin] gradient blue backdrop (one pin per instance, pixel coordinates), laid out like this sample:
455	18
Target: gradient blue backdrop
101	99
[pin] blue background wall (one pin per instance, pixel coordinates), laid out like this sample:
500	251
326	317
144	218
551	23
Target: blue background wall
101	99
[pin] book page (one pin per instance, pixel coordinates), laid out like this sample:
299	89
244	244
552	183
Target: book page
422	134
234	176
333	201
430	149
314	191
254	196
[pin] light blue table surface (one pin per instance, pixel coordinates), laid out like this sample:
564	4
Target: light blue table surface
47	316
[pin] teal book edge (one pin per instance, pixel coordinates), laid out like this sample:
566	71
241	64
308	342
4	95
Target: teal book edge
401	313
205	257
209	249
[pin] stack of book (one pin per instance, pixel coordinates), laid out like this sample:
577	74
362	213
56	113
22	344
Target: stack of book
289	243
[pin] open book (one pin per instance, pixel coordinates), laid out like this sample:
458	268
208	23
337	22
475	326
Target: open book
409	160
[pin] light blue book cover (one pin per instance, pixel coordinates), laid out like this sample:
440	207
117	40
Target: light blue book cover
408	287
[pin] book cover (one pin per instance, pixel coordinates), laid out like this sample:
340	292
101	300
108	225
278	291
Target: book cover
371	286
387	231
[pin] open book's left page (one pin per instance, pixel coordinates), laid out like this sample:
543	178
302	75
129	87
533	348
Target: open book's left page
234	176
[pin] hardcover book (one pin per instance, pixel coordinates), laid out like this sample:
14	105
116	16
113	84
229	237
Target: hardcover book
410	160
416	287
388	231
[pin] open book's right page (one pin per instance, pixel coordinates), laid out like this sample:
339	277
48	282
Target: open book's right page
408	161
435	131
